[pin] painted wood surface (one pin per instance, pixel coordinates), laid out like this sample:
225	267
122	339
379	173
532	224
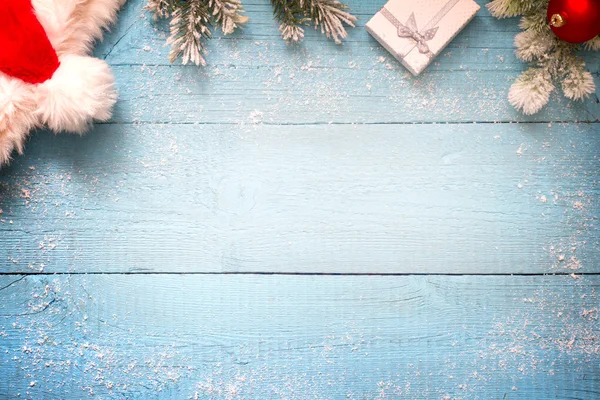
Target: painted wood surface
213	240
308	199
299	337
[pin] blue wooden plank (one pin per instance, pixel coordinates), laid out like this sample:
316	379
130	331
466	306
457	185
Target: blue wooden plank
319	82
301	94
241	185
292	337
476	198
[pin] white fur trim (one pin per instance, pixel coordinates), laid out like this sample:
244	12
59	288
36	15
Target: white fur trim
17	117
82	90
73	26
55	15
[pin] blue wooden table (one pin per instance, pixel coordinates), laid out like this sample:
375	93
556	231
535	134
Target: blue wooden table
306	222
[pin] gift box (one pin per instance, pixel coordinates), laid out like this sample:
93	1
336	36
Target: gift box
416	31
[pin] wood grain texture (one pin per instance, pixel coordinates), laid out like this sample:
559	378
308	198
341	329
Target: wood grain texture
311	159
266	337
306	199
305	95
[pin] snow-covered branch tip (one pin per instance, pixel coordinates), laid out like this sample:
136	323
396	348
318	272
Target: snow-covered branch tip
228	13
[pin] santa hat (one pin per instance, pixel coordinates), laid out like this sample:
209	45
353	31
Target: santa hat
65	90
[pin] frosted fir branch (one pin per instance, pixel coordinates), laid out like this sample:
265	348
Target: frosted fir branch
189	25
535	21
228	13
513	8
577	83
531	91
532	44
160	8
291	33
290	15
592	45
289	12
191	20
328	15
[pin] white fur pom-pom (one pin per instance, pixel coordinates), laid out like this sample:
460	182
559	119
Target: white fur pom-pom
17	117
82	90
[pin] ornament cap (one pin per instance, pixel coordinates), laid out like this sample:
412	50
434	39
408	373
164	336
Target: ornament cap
557	21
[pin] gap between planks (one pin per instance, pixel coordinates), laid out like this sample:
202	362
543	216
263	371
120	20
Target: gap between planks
24	274
507	122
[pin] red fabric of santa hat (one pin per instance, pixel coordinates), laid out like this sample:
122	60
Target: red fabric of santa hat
26	50
65	91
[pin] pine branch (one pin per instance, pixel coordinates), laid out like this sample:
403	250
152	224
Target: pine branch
513	8
577	83
190	24
535	21
290	15
291	33
532	44
328	15
191	20
592	45
331	16
531	91
228	14
160	8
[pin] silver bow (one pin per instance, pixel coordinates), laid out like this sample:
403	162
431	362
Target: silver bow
410	31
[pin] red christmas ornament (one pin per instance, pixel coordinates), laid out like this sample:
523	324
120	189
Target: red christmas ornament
574	21
26	50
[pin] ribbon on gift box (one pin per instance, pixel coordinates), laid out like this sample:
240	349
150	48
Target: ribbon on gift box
410	30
